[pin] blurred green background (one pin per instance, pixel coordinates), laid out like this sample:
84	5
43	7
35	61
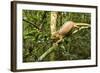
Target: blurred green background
36	36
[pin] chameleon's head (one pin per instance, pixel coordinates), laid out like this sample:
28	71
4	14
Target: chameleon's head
55	36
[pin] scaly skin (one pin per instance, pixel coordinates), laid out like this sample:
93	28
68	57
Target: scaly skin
67	26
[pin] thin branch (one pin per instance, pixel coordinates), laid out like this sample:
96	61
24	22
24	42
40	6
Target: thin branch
43	20
32	24
80	29
51	49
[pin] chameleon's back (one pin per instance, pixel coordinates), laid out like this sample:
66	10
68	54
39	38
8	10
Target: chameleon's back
66	27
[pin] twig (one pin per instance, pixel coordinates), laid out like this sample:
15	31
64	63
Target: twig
79	29
32	24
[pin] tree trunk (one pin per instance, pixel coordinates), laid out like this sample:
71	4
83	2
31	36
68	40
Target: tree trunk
53	29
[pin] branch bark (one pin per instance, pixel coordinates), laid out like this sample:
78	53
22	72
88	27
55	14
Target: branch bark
53	22
51	49
53	29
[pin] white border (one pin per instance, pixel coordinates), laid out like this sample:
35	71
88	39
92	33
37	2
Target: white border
21	65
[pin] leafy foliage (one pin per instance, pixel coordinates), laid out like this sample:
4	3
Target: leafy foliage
37	40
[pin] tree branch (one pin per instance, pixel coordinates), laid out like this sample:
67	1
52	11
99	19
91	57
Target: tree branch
32	24
51	49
